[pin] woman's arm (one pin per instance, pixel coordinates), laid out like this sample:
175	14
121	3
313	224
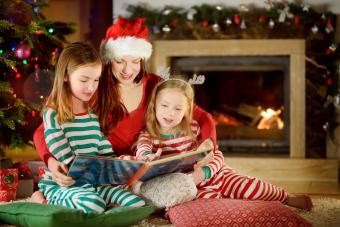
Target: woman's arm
206	124
40	144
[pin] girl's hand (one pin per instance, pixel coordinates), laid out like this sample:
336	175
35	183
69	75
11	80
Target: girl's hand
197	175
59	171
151	157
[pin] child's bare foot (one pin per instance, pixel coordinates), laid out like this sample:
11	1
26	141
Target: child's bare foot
300	201
37	197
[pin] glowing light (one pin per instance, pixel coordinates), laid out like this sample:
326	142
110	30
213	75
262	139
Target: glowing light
17	76
24	62
50	30
1	51
41	97
270	119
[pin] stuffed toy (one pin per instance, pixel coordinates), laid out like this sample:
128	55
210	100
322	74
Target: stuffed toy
167	190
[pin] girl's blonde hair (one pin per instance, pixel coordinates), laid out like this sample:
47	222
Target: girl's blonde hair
152	125
71	58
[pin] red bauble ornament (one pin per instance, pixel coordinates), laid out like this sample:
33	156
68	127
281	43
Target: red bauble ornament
237	19
329	81
23	51
205	23
174	23
297	20
262	19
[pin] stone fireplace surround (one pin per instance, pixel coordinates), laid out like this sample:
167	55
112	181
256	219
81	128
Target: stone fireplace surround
294	173
293	48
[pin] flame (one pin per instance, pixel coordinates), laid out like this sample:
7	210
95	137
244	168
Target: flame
270	119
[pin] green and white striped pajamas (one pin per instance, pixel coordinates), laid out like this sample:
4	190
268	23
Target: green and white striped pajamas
81	136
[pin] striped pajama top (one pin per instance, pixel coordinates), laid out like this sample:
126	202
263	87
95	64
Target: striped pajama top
147	144
81	136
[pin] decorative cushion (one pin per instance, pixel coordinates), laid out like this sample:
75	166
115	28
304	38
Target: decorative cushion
34	214
232	212
169	190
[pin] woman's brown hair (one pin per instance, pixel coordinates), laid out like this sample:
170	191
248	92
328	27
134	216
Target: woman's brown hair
109	107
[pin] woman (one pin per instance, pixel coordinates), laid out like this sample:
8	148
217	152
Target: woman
122	98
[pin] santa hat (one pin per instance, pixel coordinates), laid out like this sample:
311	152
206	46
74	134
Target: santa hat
126	37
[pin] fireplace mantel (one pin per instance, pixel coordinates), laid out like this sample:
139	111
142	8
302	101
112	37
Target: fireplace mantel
293	48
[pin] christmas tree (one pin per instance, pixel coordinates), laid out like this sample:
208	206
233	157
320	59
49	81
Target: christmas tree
29	46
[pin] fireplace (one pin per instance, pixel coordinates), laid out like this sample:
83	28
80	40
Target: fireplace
274	69
248	97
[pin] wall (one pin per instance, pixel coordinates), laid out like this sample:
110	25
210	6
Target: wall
70	11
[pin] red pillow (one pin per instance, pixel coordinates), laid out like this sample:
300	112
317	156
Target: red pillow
232	212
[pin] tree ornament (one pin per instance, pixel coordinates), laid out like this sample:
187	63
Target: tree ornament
36	72
271	23
329	27
297	20
155	30
268	5
228	21
284	13
262	19
36	9
323	16
33	113
219	8
216	27
22	51
243	24
191	14
166	12
237	19
329	82
205	23
166	29
325	126
305	8
314	29
331	49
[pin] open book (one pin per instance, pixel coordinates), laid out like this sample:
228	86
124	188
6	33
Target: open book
111	170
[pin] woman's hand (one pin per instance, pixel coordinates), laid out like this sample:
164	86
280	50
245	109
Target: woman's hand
59	171
197	175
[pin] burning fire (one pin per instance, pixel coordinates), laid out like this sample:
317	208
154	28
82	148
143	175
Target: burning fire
270	119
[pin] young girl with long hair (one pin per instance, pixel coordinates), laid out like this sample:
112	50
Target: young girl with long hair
170	129
70	128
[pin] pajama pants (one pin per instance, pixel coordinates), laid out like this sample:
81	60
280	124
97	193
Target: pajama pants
227	183
88	198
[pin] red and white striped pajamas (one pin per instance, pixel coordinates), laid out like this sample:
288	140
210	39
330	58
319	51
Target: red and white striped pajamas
224	181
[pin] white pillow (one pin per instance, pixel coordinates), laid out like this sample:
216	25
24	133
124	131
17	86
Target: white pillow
169	190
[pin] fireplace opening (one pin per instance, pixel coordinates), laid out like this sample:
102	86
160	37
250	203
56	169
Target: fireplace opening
248	97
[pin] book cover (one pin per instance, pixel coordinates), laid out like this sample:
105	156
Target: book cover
112	170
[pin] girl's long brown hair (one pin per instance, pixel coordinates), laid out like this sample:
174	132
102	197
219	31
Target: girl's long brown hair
109	107
72	57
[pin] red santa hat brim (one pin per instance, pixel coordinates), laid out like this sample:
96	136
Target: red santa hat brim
125	46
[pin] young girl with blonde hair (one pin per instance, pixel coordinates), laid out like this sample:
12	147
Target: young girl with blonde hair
70	128
170	129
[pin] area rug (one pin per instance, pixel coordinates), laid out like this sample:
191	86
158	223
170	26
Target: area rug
326	212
